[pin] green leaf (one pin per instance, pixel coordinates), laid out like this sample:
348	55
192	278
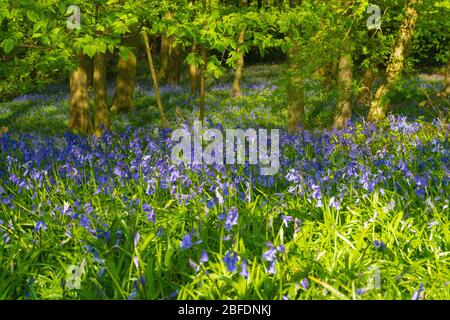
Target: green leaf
8	45
90	50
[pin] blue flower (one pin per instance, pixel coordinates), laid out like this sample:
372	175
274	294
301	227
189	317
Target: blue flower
133	294
379	244
193	265
286	220
137	236
232	219
361	291
230	260
101	272
40	225
305	283
416	294
272	269
244	269
203	257
187	243
150	212
210	204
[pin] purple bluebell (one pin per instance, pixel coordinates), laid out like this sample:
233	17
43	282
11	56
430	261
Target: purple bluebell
244	269
203	257
231	219
40	225
230	261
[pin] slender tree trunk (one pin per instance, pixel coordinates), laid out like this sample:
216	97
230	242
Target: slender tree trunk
236	88
365	89
155	80
446	90
102	121
123	100
296	90
379	105
173	74
164	56
345	87
165	53
204	57
194	76
79	100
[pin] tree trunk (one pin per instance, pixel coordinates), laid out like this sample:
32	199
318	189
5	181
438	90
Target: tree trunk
79	100
155	80
236	88
296	93
446	90
194	76
164	55
365	89
296	90
123	100
204	57
379	105
345	87
102	121
175	61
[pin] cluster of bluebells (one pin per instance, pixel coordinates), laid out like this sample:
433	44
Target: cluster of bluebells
320	168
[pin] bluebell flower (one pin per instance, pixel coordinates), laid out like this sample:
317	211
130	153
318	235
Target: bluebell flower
40	225
137	236
232	219
305	283
244	269
101	272
416	294
379	244
193	265
286	220
150	212
187	243
230	261
133	294
272	269
210	204
172	295
361	291
203	257
84	222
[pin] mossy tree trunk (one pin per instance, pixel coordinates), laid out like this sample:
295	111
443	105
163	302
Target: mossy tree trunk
446	90
123	100
173	74
345	87
379	105
194	74
164	56
102	121
365	88
238	72
80	120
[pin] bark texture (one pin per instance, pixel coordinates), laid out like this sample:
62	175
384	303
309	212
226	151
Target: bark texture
80	120
236	88
102	121
379	105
